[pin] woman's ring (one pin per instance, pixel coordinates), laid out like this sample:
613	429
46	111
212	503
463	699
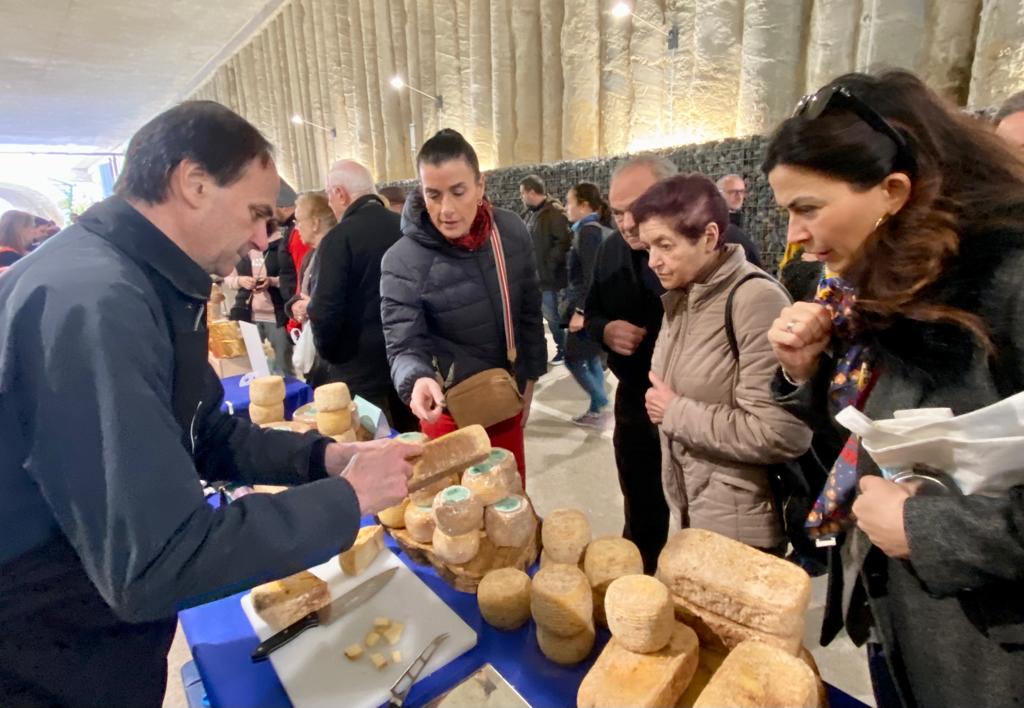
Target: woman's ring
790	325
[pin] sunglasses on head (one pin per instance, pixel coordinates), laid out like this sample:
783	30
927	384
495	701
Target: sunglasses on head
813	105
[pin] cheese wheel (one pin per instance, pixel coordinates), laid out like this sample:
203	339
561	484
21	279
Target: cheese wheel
266	390
419	522
349	436
487	482
545	559
510	522
506	462
565	535
294	426
425	496
640	613
452	453
333	422
457	511
606	559
756	674
266	414
332	397
457	549
566	650
305	414
412	437
560	600
394	516
283	602
504	598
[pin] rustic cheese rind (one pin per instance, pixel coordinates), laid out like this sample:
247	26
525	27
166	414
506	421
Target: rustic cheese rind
266	390
457	511
419	522
282	602
639	612
332	397
561	601
505	461
565	535
368	544
756	674
733	580
606	559
394	516
334	422
266	414
510	522
452	453
722	634
458	549
504	598
620	677
566	650
487	482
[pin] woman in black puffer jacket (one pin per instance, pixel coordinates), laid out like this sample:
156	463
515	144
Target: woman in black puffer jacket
440	302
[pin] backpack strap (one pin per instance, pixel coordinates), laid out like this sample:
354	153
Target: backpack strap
730	332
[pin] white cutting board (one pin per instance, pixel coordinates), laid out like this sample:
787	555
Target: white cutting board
313	668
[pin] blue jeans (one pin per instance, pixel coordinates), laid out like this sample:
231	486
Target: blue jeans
589	374
549	308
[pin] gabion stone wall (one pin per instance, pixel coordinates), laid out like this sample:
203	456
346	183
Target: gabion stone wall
763	221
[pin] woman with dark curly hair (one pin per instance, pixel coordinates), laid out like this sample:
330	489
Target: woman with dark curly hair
917	212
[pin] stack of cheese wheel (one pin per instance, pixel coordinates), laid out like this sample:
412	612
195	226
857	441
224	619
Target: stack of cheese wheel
563	608
488	482
504	598
458	516
608	558
651	657
510	522
266	399
447	456
419	522
565	535
505	462
333	411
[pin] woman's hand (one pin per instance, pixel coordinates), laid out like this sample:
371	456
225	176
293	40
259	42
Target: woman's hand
658	398
427	401
300	309
798	337
576	322
246	282
879	512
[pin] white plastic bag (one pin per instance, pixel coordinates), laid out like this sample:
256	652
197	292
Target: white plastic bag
304	352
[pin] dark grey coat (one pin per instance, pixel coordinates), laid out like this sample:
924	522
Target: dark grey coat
952	617
442	303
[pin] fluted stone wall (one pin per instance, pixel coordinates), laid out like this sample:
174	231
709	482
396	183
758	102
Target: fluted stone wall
533	81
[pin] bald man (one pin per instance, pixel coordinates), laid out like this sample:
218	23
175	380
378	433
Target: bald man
345	307
1010	121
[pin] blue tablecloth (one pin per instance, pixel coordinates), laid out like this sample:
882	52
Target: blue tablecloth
221	640
296	394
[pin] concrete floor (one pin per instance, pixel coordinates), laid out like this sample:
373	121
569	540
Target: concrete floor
572	467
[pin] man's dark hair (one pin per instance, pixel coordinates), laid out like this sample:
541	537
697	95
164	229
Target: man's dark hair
446	145
533	183
205	132
394	194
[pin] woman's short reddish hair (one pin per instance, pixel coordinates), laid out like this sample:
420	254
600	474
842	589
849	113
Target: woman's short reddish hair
688	203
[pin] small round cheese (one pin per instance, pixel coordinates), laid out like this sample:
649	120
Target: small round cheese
487	482
332	397
266	390
506	462
419	522
305	414
565	535
504	598
545	559
333	422
458	549
425	496
566	650
561	601
394	516
457	511
606	559
640	613
266	414
510	522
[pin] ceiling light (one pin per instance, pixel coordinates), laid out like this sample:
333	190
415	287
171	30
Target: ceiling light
297	119
397	82
622	9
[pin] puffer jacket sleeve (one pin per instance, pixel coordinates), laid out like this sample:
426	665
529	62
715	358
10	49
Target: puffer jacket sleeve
756	430
532	349
402	315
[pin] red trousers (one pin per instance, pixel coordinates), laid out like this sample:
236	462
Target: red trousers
507	434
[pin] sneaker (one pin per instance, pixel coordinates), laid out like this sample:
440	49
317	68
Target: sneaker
596	421
559	359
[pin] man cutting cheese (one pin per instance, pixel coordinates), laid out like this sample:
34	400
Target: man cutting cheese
111	415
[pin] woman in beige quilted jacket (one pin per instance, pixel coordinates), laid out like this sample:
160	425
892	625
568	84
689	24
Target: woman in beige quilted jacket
720	429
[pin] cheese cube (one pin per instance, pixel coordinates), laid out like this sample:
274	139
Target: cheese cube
394	633
371	639
396	657
381	622
378	660
353	652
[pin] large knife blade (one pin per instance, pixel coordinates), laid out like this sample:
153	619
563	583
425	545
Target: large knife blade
326	614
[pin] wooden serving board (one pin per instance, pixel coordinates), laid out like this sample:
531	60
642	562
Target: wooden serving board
467	577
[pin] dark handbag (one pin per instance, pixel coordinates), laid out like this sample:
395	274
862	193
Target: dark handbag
492	395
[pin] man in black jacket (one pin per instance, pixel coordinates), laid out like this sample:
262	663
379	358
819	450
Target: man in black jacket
623	311
345	306
111	415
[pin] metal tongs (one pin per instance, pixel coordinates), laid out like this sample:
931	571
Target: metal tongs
400	691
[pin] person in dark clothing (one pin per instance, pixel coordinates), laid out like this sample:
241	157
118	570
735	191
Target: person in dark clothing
345	306
588	211
549	229
916	210
441	303
623	311
799	276
111	416
734	234
396	198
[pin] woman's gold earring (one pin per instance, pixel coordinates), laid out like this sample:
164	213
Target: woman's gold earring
881	220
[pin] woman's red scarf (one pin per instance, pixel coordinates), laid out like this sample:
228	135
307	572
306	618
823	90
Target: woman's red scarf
479	231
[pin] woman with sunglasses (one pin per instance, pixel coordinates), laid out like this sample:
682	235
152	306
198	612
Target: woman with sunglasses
917	212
